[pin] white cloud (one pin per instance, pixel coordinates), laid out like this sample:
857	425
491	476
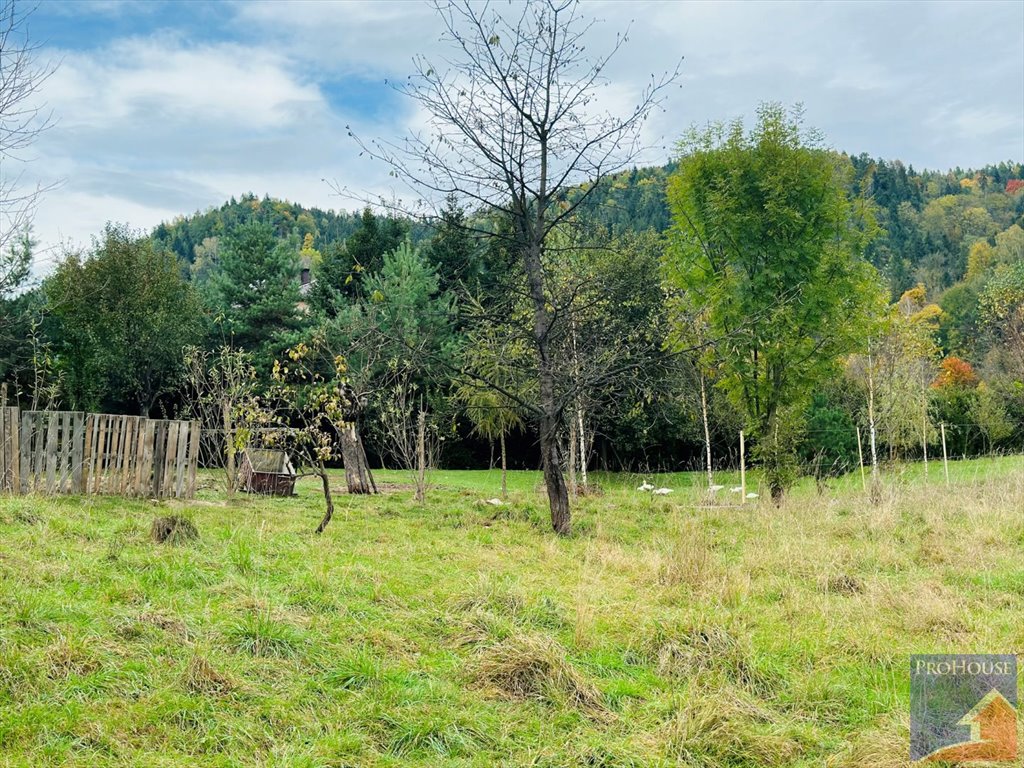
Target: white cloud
163	79
153	126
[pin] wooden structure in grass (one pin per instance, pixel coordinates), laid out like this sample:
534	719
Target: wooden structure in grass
269	472
73	452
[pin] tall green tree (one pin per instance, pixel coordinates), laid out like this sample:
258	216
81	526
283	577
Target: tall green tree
344	265
395	338
770	244
122	316
453	251
374	237
256	292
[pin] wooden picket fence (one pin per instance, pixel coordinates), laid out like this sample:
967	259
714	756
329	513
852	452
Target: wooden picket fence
95	453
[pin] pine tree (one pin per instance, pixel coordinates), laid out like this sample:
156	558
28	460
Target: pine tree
257	291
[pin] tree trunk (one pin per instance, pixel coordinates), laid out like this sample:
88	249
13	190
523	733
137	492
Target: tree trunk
707	431
583	448
504	469
577	436
328	500
924	439
573	490
421	457
229	449
357	471
876	484
554	482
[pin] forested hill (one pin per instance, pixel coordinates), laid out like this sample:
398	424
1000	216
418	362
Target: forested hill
929	220
189	236
947	232
194	237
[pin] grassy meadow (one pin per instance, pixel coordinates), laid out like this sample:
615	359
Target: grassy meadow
666	631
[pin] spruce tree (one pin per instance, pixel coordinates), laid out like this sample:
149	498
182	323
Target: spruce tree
257	291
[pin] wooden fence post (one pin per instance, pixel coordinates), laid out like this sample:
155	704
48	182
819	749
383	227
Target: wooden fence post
924	444
4	449
945	458
78	454
743	471
50	464
180	465
860	458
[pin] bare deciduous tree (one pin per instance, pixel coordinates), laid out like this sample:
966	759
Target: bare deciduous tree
22	118
514	125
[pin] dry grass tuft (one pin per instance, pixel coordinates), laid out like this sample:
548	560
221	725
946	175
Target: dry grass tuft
721	728
842	584
884	747
533	666
129	628
68	657
703	650
200	677
491	594
173	530
683	559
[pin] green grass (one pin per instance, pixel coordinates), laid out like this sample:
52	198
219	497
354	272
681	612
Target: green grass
665	631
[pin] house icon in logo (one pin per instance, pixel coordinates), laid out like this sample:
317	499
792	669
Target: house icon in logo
993	724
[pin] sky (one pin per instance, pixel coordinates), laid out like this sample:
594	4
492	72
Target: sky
166	108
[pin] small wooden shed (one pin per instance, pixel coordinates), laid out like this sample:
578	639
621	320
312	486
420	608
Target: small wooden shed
268	472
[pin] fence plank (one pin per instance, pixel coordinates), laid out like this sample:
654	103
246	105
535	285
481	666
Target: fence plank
25	454
87	453
39	446
77	452
182	463
135	481
54	464
195	431
131	424
122	439
99	448
67	426
130	463
146	479
114	463
159	453
172	451
52	455
4	450
117	458
15	422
